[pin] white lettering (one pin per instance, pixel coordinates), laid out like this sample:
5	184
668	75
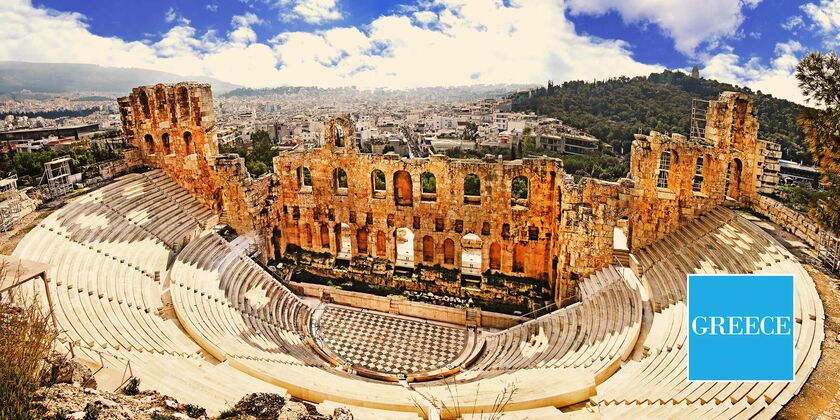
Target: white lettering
741	325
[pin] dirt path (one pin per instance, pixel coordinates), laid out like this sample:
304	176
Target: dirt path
10	238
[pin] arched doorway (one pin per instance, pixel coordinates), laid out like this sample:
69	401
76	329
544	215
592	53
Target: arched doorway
449	251
325	237
342	242
471	255
403	189
405	248
495	256
380	243
519	258
276	244
362	241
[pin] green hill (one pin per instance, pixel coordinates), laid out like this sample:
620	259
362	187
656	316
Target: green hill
615	109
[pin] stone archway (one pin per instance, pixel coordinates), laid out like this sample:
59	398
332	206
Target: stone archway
471	255
405	248
342	241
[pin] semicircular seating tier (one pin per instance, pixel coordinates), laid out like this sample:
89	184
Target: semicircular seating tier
656	384
108	263
239	313
140	286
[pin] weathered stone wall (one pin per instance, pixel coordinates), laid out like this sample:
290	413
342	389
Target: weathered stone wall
590	211
790	220
735	165
328	208
173	127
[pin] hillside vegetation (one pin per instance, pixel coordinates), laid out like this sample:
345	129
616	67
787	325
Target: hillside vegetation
615	109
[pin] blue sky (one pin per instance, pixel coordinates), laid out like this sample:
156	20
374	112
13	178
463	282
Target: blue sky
427	42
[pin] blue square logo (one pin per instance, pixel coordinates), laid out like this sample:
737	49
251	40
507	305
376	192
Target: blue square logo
740	327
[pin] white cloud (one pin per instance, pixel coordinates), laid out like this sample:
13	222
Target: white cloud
310	11
170	15
822	18
475	41
690	23
776	78
213	7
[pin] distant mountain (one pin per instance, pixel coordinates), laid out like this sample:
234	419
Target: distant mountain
63	77
613	110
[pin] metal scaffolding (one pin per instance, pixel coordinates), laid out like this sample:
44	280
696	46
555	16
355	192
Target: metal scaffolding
57	172
10	207
829	251
697	131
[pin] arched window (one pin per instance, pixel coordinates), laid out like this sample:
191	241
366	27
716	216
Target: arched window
167	149
183	101
362	241
403	189
428	182
495	256
338	134
734	188
340	180
150	144
404	244
304	177
160	98
664	169
519	258
449	251
189	146
472	189
325	237
519	189
144	104
377	179
428	249
276	243
307	236
697	185
380	243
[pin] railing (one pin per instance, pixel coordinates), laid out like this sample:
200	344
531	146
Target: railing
828	250
127	374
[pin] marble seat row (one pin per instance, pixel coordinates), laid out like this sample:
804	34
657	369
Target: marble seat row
595	334
657	386
100	302
234	311
152	202
719	242
228	299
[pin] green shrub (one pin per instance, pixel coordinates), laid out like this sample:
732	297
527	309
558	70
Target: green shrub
194	411
132	387
92	412
26	337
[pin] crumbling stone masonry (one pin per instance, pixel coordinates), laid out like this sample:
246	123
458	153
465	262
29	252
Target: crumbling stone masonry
474	227
677	179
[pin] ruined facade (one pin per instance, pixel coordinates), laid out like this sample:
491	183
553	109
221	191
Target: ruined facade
677	179
482	228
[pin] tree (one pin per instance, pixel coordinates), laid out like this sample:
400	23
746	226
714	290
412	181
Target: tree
470	131
819	78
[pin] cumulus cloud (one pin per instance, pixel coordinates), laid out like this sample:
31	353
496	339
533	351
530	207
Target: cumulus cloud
170	15
689	23
776	77
475	41
310	11
822	18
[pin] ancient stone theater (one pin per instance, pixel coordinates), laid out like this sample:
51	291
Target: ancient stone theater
569	295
